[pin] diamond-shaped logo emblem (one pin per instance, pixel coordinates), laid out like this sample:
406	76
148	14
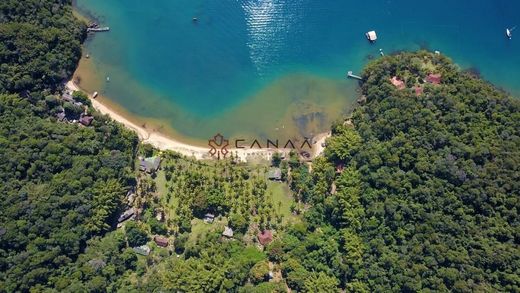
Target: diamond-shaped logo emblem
218	145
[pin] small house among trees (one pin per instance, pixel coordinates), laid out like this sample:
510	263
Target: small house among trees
228	232
150	165
275	174
126	215
61	116
142	250
67	97
397	83
161	241
265	237
434	78
86	120
209	218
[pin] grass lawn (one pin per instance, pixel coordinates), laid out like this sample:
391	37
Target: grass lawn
282	200
199	228
171	206
160	181
258	162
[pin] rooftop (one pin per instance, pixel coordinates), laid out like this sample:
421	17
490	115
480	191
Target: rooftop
143	250
67	97
274	174
150	165
434	78
397	82
265	237
418	90
209	218
228	232
86	120
61	116
161	241
126	215
371	36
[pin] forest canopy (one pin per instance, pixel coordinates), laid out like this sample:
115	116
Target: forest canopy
417	191
40	44
61	184
434	182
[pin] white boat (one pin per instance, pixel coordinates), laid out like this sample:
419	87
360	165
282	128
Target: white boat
94	95
509	32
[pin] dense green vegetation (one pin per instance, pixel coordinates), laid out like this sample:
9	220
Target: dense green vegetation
212	267
61	184
39	44
417	191
430	182
425	195
221	188
201	259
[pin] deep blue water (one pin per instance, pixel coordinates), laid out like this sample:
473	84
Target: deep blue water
194	74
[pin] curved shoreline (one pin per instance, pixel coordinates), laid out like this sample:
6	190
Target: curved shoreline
163	142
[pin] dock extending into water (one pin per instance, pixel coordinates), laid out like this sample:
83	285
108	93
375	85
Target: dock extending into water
98	29
352	75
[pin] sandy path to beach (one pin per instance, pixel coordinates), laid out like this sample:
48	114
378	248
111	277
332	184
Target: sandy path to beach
166	143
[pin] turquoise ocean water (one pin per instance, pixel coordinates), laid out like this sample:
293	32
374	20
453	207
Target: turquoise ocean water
277	68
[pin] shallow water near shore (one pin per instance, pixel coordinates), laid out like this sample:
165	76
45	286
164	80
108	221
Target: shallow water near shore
252	68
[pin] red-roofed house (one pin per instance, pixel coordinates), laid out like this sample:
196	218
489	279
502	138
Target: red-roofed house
86	120
418	90
434	78
265	237
397	82
161	241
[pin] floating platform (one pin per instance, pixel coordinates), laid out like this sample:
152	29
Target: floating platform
371	36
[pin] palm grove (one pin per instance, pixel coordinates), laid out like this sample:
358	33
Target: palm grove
418	190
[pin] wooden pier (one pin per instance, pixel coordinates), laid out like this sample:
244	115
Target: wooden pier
352	75
98	29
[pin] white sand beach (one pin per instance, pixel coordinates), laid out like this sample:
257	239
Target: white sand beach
162	142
